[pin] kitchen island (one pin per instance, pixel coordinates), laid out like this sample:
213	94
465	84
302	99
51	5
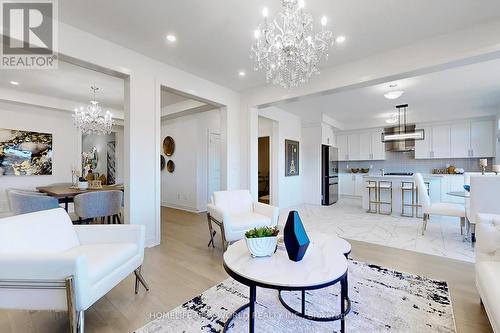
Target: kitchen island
397	181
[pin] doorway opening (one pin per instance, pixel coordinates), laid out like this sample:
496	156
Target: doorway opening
264	168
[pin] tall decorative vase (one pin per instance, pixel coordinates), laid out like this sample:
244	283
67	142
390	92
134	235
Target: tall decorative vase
295	237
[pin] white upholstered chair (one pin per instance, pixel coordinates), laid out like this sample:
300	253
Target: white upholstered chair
49	264
437	208
484	198
235	213
488	266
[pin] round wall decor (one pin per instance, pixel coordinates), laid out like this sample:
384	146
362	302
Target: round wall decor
170	166
162	162
168	146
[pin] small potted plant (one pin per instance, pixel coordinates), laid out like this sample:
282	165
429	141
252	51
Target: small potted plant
261	242
83	184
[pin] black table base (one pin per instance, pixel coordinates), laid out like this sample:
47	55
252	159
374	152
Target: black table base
345	302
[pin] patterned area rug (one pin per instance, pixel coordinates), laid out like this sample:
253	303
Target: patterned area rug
382	301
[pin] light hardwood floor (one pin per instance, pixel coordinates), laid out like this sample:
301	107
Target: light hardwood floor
183	266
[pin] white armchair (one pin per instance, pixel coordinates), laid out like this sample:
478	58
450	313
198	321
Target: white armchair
484	194
235	213
488	266
49	264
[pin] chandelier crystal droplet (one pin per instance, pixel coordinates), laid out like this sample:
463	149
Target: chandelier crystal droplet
286	48
91	120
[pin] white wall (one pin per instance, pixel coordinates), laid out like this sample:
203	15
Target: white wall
65	140
288	126
311	155
186	188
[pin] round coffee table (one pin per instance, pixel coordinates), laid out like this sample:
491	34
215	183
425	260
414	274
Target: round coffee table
323	265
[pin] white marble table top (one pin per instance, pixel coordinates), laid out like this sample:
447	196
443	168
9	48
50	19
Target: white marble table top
323	262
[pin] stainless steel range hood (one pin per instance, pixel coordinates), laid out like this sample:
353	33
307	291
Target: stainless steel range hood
403	136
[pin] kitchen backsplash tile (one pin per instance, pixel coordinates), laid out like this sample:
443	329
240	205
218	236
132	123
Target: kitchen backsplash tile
406	162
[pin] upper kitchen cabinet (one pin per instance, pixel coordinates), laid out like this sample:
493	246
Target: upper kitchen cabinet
470	139
482	138
342	147
361	146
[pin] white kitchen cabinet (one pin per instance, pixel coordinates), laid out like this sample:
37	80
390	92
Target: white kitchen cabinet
365	146
351	184
423	147
342	147
440	141
378	147
353	147
361	146
482	138
471	139
460	140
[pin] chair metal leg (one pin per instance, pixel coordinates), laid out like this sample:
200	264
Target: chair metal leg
140	278
462	224
424	225
76	318
210	229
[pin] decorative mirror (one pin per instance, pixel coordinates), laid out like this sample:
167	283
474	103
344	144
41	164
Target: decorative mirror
170	166
168	146
162	162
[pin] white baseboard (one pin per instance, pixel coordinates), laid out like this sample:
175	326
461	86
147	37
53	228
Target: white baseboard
181	207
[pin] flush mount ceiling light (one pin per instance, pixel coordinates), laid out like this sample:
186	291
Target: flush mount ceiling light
242	73
340	39
91	120
286	48
394	93
171	38
393	119
14	83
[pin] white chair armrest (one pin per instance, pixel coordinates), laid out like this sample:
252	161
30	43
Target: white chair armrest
216	213
95	234
57	266
267	210
488	238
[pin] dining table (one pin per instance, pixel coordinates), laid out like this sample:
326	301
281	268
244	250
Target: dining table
66	193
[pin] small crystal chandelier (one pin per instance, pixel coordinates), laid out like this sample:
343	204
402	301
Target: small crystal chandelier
91	121
286	49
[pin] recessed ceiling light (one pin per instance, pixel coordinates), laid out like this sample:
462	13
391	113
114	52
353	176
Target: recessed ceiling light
340	39
394	94
171	38
242	73
15	83
391	120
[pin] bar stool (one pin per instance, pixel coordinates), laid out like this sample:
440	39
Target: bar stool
417	205
372	188
384	186
408	187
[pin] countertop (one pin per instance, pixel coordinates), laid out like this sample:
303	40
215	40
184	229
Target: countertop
378	176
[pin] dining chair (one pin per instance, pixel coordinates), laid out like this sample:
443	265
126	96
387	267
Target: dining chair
437	208
22	202
484	194
97	204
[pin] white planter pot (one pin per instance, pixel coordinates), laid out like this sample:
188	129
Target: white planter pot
83	185
262	247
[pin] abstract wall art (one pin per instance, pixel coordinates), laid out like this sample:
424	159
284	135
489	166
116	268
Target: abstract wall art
24	153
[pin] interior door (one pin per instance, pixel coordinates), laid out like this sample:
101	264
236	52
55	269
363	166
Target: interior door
214	151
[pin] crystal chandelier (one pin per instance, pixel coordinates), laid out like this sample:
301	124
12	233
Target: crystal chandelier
91	120
286	49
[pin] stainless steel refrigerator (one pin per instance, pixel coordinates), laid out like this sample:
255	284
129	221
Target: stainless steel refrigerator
329	175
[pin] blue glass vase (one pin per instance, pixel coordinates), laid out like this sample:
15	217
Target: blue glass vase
295	237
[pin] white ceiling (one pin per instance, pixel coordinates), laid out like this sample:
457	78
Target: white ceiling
469	91
68	82
214	37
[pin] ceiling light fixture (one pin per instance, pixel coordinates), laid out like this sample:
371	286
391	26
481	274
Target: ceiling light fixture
242	73
393	94
393	119
171	38
15	83
340	39
91	121
403	132
286	48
